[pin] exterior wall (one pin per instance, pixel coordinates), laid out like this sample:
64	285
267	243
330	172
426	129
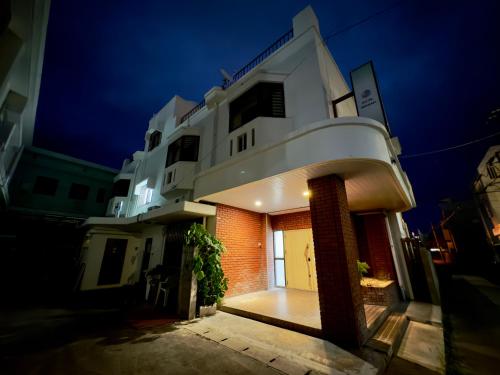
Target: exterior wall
93	252
374	245
36	162
22	42
67	170
244	263
292	221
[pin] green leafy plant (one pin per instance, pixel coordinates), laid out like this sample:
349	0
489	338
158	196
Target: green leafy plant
363	268
212	284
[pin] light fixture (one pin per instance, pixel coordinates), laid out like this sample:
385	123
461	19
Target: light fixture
306	193
258	203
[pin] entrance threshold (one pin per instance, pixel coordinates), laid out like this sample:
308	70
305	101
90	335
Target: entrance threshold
293	309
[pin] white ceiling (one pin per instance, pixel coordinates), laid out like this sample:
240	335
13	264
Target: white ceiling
370	185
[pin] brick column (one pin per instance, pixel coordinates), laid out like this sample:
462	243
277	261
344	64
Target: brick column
341	303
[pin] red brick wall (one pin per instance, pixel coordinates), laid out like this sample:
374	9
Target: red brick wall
244	263
296	220
374	245
340	299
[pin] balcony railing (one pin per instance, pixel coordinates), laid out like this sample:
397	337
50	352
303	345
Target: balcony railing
199	106
259	59
285	38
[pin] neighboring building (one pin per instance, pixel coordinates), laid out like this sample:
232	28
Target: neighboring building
23	26
487	197
51	195
292	184
49	183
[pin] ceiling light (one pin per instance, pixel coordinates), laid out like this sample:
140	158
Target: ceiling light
258	203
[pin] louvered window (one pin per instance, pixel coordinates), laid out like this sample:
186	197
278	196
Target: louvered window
154	140
265	99
183	149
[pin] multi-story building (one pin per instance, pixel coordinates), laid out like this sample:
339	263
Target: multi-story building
487	197
23	26
295	184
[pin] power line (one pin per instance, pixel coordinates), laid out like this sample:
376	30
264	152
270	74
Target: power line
363	20
449	148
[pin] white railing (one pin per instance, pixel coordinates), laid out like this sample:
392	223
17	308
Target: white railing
9	151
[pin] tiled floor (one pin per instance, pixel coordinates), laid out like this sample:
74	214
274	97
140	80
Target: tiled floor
292	305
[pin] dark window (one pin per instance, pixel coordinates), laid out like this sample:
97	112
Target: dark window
242	142
253	137
169	177
101	195
265	99
79	191
231	147
183	149
120	188
45	185
154	140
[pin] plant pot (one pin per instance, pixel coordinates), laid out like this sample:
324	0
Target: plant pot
208	310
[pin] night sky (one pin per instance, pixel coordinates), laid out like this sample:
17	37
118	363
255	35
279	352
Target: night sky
110	65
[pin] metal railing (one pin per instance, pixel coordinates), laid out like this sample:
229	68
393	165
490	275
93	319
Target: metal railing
260	58
285	38
199	106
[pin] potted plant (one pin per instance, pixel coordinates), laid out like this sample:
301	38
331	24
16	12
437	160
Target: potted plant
363	268
207	267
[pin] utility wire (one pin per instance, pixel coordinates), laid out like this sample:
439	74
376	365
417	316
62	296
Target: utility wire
363	20
449	148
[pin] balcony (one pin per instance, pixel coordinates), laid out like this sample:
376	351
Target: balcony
10	152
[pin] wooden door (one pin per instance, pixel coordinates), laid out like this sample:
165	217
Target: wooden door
300	264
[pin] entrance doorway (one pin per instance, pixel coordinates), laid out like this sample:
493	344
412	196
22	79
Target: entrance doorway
294	259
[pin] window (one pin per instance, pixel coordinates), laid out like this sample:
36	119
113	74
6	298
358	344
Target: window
145	194
45	185
231	147
169	177
279	259
253	137
78	191
154	140
120	188
183	149
265	99
101	195
242	142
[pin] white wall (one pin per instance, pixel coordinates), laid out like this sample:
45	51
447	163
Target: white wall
93	252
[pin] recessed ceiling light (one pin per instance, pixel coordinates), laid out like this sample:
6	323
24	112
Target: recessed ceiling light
258	203
306	193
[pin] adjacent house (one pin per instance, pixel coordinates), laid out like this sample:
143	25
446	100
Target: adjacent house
23	26
296	185
487	197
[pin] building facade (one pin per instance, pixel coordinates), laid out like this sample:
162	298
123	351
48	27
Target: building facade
487	197
296	187
23	27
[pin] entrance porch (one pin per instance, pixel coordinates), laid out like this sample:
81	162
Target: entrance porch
293	309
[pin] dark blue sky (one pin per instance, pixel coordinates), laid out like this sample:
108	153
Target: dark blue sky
109	65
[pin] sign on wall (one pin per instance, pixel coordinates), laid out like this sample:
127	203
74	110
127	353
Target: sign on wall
366	93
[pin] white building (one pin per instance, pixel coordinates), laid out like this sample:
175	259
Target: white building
267	163
487	193
23	26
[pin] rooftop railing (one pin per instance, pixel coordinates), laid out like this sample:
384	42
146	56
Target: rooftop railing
195	109
285	38
259	59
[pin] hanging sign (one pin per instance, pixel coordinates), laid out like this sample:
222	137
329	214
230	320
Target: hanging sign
367	95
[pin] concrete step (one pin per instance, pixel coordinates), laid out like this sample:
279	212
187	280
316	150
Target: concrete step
388	337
